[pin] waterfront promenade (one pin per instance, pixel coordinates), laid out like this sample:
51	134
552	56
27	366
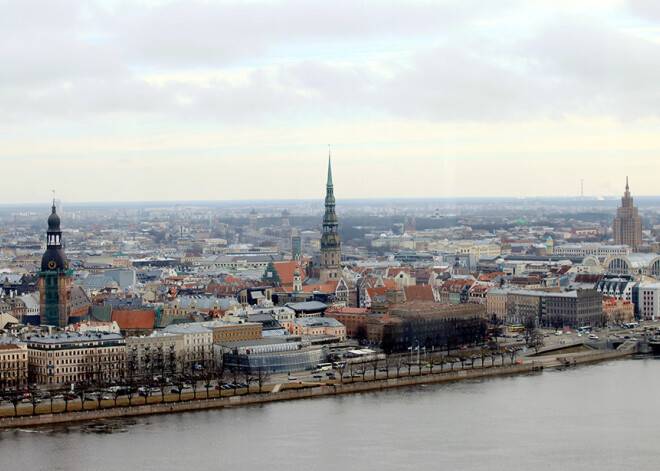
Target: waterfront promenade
284	392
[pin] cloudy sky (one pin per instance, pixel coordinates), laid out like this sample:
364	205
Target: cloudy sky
216	100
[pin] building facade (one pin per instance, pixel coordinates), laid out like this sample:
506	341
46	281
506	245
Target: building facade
151	355
13	365
573	309
73	357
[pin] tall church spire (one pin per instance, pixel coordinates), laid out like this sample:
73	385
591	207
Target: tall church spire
330	241
329	170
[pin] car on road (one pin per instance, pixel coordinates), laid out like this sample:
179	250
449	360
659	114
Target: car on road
593	337
174	391
292	378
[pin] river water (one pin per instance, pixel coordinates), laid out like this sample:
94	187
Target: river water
604	416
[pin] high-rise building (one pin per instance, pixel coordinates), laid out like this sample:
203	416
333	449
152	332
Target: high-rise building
295	248
330	266
54	277
627	225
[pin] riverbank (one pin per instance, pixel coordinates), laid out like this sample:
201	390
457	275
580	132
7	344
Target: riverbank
308	392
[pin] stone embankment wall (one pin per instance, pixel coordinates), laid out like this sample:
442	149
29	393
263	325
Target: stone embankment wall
292	394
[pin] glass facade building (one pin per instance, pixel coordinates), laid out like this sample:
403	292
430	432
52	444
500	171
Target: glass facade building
276	360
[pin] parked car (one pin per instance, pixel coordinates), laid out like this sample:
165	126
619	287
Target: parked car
174	391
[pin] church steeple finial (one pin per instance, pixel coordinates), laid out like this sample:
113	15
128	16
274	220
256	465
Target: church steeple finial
329	167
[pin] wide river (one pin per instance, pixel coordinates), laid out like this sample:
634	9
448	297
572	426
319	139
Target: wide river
601	417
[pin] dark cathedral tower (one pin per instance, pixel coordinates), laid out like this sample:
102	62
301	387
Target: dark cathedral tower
330	268
54	277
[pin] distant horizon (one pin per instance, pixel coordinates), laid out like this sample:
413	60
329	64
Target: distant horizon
341	201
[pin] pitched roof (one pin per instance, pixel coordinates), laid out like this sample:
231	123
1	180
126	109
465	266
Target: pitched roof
375	292
419	293
391	284
285	270
134	319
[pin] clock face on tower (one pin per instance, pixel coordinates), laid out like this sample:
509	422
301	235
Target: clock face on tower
52	264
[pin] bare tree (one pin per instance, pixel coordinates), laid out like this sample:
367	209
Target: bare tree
235	375
261	376
361	368
530	328
374	366
15	397
66	395
512	354
131	390
34	399
398	362
536	342
220	374
116	392
162	385
248	378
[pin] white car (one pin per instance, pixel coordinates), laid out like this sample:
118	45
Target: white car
593	337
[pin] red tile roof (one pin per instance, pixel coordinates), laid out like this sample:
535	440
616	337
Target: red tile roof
347	310
134	319
380	291
419	293
286	270
391	284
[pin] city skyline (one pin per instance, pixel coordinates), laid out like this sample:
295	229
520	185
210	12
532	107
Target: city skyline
204	101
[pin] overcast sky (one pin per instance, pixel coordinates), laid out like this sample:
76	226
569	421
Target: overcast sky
202	100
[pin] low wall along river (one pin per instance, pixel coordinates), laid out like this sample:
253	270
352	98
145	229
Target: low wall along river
306	392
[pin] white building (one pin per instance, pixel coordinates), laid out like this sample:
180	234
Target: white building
649	301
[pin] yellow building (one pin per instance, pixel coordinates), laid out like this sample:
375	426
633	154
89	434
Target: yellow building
13	365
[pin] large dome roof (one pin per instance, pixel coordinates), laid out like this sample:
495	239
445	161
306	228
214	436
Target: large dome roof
53	221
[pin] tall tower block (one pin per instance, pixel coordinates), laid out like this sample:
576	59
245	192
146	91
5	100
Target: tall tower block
627	225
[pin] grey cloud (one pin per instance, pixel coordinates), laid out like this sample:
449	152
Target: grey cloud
570	66
207	35
601	70
646	9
